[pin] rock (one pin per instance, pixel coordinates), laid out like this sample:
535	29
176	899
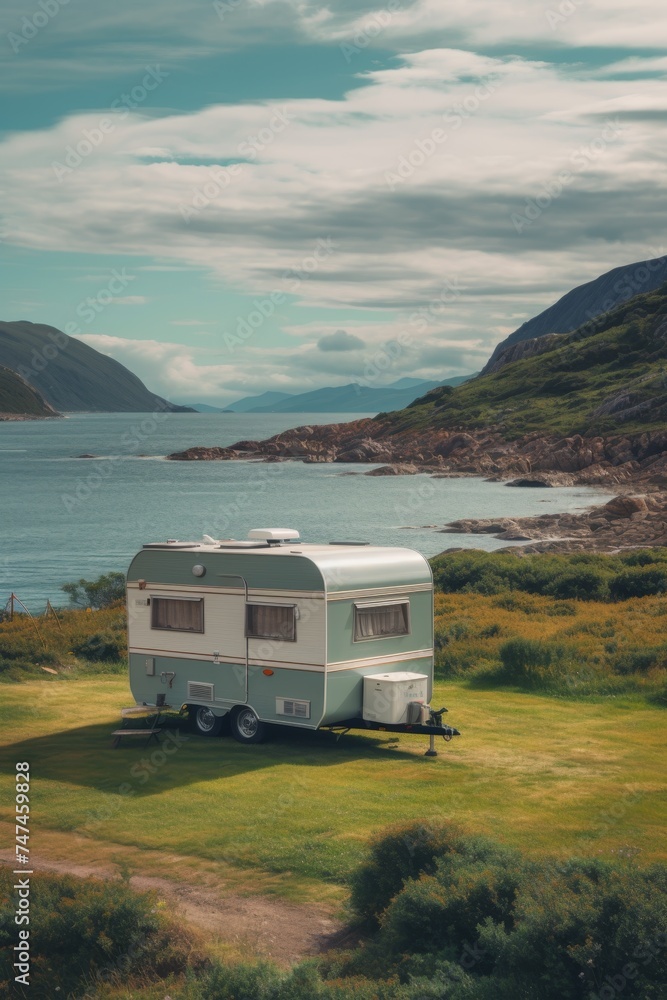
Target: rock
621	507
86	456
201	455
532	483
457	442
393	470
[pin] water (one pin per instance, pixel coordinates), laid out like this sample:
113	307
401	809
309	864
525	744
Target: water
63	517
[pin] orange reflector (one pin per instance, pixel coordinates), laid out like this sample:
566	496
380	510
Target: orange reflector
268	673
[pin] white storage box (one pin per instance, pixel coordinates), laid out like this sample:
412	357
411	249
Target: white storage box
387	696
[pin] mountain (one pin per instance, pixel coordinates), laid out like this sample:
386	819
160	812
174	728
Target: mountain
407	382
585	303
72	376
250	403
607	375
18	398
352	398
204	408
592	409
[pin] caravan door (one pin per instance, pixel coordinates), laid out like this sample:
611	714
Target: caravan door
225	629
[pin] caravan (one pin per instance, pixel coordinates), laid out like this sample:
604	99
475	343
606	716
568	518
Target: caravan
270	631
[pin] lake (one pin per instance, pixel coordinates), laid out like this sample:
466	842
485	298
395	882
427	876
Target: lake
63	517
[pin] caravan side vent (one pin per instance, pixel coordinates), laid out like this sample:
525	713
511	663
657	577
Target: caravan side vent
200	692
292	707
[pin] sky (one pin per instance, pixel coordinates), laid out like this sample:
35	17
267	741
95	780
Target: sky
243	195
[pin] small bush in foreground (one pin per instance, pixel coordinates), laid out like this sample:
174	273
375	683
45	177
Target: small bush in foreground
520	927
87	931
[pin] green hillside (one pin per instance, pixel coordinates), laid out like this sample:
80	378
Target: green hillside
17	397
71	375
607	377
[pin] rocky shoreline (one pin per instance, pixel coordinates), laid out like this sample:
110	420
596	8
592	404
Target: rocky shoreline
622	523
16	417
627	464
537	460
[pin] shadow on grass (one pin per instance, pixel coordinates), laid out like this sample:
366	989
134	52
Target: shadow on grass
85	756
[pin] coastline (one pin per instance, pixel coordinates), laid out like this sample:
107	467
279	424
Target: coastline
624	522
634	467
18	417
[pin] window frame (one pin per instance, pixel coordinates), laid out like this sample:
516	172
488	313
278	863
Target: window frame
369	606
171	628
274	638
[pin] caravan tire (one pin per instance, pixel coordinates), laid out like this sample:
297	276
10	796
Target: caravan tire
205	722
246	727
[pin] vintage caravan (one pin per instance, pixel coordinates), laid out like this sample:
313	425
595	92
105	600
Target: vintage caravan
269	630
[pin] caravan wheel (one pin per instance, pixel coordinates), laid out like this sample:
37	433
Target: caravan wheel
246	727
205	722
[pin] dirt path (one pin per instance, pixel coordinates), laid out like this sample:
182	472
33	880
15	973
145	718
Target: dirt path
272	928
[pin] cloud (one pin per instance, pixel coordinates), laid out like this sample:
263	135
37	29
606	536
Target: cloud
453	191
70	50
341	340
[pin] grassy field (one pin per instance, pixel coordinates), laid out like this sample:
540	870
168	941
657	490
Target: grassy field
293	816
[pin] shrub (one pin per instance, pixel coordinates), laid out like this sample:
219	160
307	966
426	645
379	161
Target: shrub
107	646
83	930
532	661
581	585
525	929
575	576
640	661
402	852
640	581
101	593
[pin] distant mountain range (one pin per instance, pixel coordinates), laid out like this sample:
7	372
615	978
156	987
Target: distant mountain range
70	375
352	398
584	303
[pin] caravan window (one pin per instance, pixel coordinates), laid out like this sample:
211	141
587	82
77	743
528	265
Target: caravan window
271	621
377	621
179	614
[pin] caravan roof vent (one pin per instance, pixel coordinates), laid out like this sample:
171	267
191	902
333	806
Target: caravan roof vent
274	535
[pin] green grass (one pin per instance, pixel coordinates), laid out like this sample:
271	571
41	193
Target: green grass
559	391
294	815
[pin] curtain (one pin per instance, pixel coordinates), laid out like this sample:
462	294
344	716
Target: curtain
374	622
178	615
270	621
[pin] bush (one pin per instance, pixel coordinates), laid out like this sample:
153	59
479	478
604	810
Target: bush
100	593
107	646
534	661
398	854
522	928
582	585
576	576
640	661
83	930
640	581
